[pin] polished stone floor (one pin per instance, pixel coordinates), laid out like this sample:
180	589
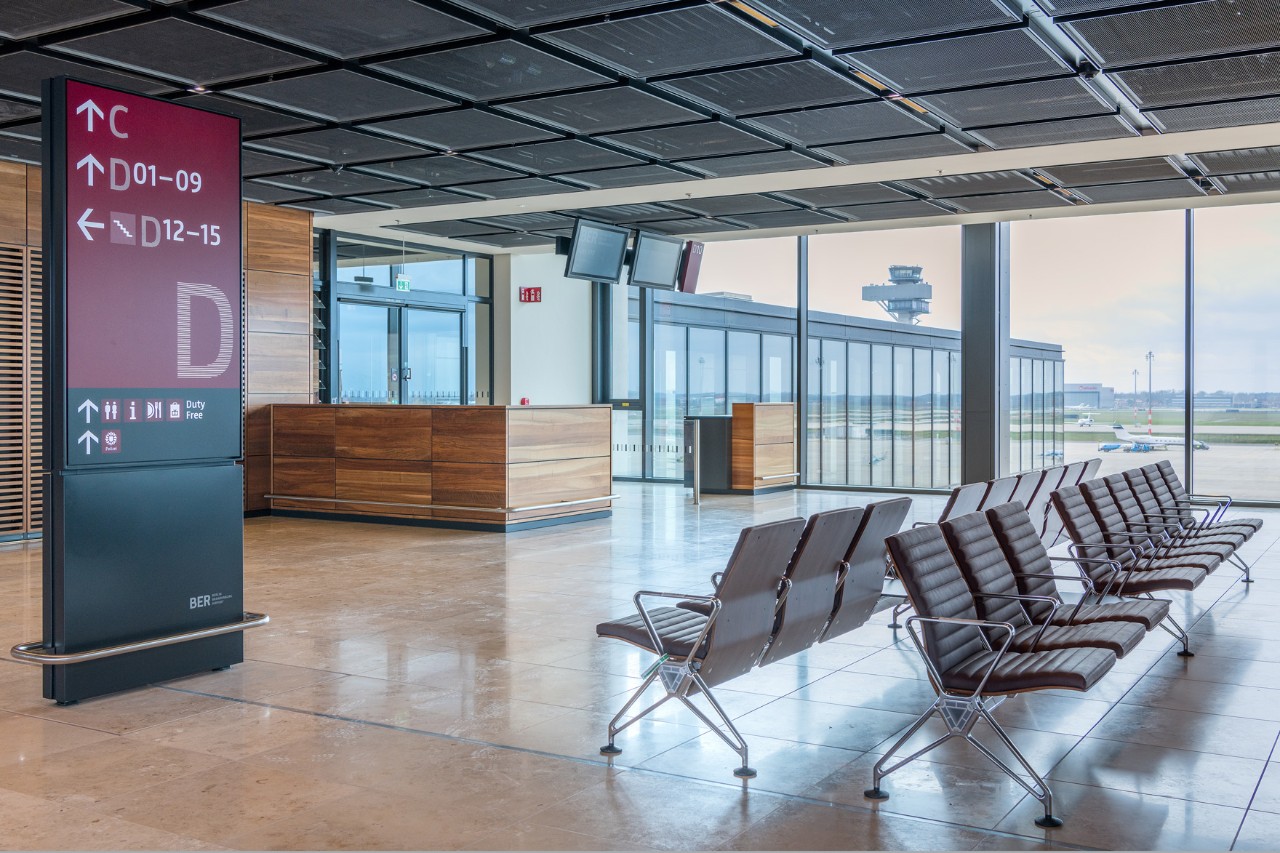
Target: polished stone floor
422	689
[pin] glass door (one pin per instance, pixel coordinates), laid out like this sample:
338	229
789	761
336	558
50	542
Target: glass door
433	357
369	353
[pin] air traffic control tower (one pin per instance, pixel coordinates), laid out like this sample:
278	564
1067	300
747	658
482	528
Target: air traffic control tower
905	295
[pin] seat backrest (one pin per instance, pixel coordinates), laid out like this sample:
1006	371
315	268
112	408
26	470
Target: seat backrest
982	562
966	498
937	588
1160	488
998	492
858	595
1091	467
1016	532
1170	476
813	573
1027	485
748	594
1071	476
1082	527
1038	507
1110	518
1122	493
1146	498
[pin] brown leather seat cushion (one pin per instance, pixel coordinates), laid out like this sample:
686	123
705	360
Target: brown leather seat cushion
1119	637
1159	580
1195	562
677	627
1063	669
1148	614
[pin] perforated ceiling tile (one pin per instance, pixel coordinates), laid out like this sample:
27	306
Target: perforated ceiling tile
890	210
21	73
1077	7
848	123
509	240
842	23
685	227
846	195
625	213
1017	103
1138	191
328	182
184	51
691	140
1235	114
502	69
907	148
1112	172
24	150
1184	31
1239	160
726	205
10	109
253	163
460	130
347	28
416	198
670	42
964	61
254	121
949	186
783	219
563	155
438	171
20	19
1008	201
1054	132
327	206
629	176
789	85
528	13
1202	81
603	110
254	191
340	95
1253	182
336	145
528	221
754	164
25	130
518	187
447	228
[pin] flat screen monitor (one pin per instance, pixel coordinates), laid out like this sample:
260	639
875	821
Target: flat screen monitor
597	251
657	260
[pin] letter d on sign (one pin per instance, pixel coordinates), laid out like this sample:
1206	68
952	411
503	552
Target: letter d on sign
226	331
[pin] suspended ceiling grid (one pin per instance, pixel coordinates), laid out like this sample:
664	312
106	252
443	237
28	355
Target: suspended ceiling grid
457	120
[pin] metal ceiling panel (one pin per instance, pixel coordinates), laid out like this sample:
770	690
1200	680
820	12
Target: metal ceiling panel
416	198
11	109
562	155
604	110
952	186
22	72
1252	182
22	150
254	163
484	72
971	60
336	145
1017	103
754	164
1058	8
691	140
346	28
20	19
848	123
670	42
906	148
1143	191
340	95
25	130
518	187
890	210
846	195
621	214
1238	161
784	219
447	228
184	51
1183	31
512	240
328	182
785	86
1234	114
254	191
728	205
437	171
459	130
528	221
1054	132
254	121
327	206
629	176
698	225
1008	201
1203	81
1112	172
528	13
842	23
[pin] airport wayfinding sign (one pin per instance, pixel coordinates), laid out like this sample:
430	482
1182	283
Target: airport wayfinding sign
150	280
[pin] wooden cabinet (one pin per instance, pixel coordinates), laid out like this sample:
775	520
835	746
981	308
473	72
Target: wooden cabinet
763	446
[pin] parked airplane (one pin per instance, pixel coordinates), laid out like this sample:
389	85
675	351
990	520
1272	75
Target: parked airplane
1152	441
1086	420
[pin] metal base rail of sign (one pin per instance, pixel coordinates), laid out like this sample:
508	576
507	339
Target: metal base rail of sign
530	508
40	654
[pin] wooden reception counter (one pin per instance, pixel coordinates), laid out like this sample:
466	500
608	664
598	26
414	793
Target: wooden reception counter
475	467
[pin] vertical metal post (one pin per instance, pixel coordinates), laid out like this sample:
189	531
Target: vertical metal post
646	383
1189	352
696	450
800	363
984	351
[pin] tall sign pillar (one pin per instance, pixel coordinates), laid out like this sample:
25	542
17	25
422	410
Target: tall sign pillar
143	566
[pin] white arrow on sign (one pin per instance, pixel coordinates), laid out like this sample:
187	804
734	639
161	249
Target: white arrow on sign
93	110
88	439
88	407
85	224
92	163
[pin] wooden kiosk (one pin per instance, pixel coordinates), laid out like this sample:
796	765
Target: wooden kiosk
752	452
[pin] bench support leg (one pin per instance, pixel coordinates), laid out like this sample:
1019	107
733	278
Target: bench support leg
1180	633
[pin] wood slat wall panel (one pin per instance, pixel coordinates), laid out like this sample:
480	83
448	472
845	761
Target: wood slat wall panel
278	364
276	302
35	212
13	386
277	239
35	387
13	203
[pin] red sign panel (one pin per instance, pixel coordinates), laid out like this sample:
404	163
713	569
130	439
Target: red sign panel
531	294
152	272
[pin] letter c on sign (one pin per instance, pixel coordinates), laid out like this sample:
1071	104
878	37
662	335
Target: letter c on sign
226	331
111	120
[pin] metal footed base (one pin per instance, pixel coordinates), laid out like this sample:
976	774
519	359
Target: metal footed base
1186	654
1049	821
875	794
610	749
894	625
67	704
745	773
1247	580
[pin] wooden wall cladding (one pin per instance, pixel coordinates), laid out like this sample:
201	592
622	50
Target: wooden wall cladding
303	430
277	239
470	434
13	203
276	302
535	434
385	432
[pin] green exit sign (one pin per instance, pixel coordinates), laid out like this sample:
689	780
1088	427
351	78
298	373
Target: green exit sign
402	282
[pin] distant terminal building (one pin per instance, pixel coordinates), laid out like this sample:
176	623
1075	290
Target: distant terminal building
1205	401
1090	395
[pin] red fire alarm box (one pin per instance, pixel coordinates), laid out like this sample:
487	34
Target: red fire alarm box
531	294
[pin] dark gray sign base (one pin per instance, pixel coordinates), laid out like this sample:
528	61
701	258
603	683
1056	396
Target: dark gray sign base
110	675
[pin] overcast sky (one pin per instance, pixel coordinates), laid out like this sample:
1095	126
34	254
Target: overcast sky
1107	288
